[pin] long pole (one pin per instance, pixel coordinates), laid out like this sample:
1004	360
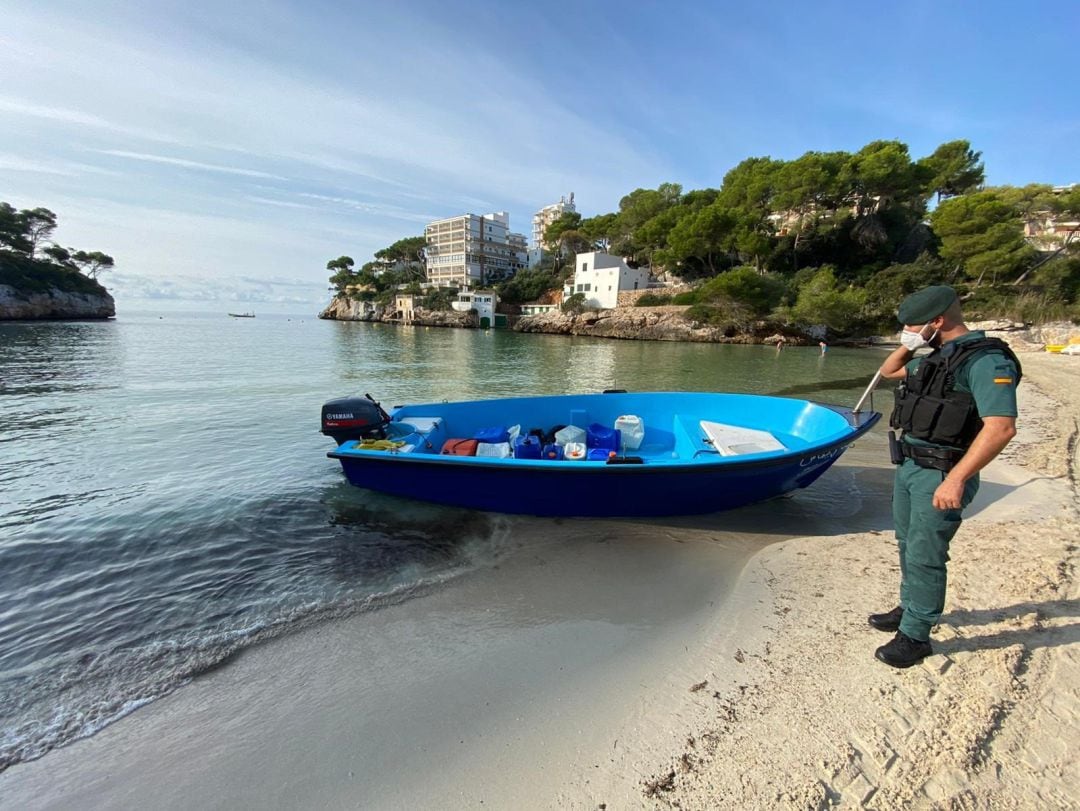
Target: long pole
873	383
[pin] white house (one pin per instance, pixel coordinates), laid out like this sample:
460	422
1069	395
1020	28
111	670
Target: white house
600	277
483	301
536	308
405	305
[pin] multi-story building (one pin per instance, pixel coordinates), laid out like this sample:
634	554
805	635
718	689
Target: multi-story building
472	250
519	249
542	219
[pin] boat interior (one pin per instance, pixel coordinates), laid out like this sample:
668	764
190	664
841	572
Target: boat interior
678	427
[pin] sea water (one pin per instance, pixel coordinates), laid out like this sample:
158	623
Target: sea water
166	501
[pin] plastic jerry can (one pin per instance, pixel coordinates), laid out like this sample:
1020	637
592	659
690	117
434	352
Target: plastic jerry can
494	450
600	436
574	451
571	433
552	452
632	429
527	447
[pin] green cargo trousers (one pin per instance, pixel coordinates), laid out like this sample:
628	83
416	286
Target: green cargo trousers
923	534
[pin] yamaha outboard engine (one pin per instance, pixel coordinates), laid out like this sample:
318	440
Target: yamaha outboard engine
354	418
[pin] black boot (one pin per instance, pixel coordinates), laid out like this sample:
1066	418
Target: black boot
903	651
888	622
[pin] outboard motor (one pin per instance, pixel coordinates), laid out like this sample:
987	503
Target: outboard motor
354	418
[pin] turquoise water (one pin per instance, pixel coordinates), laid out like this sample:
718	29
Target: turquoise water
166	501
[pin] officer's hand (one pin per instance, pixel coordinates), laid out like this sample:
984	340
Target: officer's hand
948	495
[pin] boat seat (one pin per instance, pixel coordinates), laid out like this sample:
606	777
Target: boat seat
733	440
422	425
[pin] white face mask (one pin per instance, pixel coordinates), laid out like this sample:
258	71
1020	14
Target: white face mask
915	340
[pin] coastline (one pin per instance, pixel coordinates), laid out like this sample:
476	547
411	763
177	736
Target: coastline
667	323
695	663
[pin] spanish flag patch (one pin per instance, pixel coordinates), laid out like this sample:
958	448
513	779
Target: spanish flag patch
1003	380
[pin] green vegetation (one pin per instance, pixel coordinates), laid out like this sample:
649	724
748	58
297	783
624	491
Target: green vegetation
528	285
399	264
31	262
574	304
835	238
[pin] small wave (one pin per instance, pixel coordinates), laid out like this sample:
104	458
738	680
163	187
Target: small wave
49	708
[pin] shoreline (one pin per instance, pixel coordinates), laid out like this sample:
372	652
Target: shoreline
665	323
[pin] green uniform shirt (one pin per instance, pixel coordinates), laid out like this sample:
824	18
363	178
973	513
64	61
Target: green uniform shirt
990	377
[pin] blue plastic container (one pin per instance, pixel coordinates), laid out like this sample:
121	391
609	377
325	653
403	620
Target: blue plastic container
552	452
493	436
598	454
600	436
527	447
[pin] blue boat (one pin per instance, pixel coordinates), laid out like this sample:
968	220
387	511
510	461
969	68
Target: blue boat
676	453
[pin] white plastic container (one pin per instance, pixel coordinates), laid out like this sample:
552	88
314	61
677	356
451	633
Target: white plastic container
633	431
574	451
496	450
569	434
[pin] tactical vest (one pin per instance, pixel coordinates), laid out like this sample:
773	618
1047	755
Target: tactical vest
928	406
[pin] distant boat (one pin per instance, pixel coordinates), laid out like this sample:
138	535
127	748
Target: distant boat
242	315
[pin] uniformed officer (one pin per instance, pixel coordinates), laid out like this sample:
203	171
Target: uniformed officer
956	409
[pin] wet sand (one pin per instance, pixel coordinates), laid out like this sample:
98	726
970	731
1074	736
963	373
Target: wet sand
721	661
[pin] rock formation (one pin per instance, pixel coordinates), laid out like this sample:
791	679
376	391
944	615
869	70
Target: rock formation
346	309
665	323
54	304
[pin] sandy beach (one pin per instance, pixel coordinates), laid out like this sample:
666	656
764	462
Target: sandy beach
989	721
715	662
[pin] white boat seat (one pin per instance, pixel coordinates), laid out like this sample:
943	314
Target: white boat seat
422	425
732	440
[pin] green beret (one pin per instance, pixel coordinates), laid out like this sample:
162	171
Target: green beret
926	304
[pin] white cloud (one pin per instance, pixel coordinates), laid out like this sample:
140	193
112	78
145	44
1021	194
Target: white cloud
371	208
282	203
188	164
11	163
291	294
354	147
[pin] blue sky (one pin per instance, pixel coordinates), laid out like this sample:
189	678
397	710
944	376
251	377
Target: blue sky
229	150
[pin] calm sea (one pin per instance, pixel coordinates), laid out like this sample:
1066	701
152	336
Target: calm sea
166	501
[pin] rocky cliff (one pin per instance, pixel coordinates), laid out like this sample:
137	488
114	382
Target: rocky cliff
54	304
1027	337
656	324
345	309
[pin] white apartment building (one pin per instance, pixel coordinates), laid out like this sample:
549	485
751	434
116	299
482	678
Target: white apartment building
600	277
472	250
519	251
542	219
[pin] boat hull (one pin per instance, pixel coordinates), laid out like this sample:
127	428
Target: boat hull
698	484
603	491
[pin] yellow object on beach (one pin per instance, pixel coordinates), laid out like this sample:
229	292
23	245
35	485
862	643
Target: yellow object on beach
1074	340
1054	347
